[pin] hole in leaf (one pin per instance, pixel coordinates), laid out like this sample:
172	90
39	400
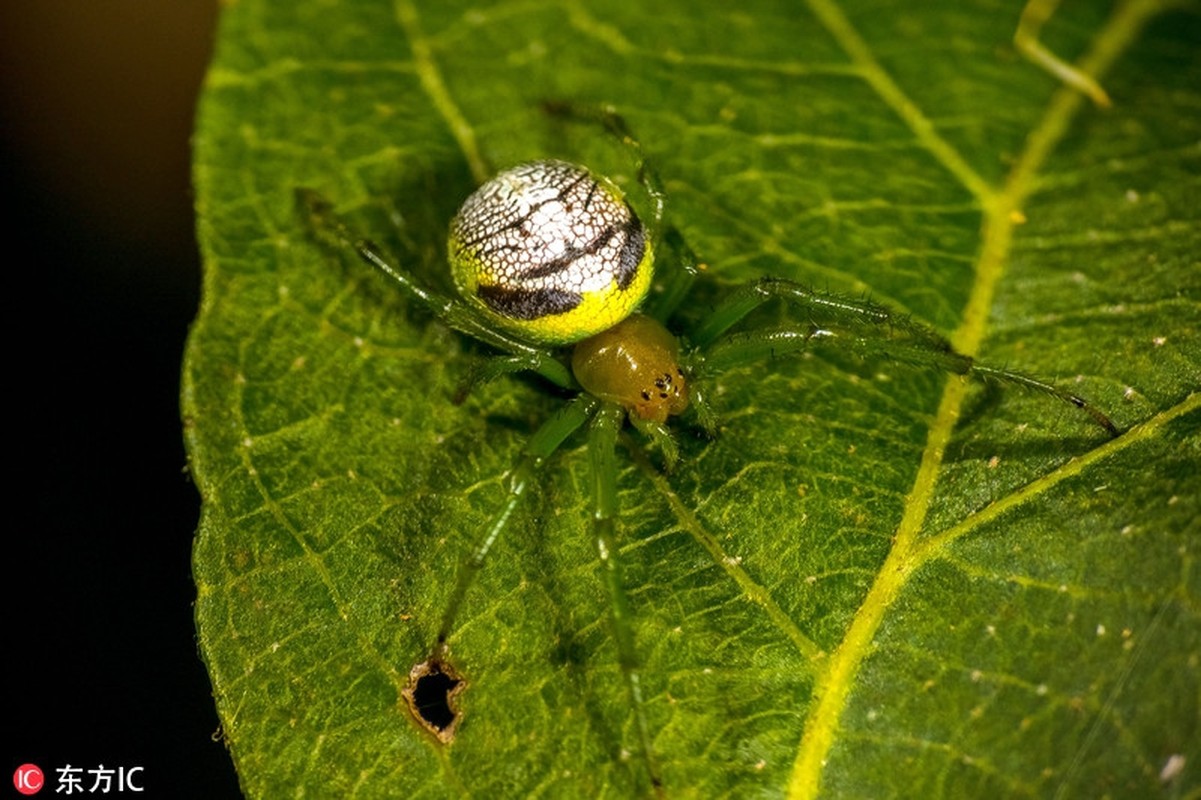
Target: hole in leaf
431	694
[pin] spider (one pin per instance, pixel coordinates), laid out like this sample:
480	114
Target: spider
554	270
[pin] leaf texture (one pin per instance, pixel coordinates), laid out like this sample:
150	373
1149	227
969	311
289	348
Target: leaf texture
878	581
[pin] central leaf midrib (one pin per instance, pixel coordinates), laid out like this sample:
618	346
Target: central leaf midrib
1002	211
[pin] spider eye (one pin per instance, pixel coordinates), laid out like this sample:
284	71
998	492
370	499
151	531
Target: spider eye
550	252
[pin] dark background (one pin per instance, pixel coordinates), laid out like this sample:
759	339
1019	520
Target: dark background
96	108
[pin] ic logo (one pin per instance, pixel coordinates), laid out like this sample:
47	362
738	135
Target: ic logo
29	779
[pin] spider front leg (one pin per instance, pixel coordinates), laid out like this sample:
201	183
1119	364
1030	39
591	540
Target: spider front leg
866	327
602	438
602	443
541	446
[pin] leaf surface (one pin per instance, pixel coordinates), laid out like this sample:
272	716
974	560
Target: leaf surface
878	580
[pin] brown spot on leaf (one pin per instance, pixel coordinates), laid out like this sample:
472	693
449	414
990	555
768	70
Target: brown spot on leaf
431	693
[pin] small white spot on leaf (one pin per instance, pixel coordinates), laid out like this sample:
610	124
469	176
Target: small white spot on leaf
1172	767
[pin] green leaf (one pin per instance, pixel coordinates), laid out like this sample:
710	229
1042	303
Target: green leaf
879	580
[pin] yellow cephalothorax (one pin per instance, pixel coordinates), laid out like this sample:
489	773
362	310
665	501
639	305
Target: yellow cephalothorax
635	364
550	252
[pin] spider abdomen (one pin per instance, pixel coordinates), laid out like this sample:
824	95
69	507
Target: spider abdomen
550	252
635	364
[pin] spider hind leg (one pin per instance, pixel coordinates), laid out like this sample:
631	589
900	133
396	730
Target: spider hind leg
333	232
673	286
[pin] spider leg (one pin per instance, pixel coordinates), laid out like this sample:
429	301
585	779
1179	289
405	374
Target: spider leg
602	442
698	400
866	327
747	346
822	309
322	220
669	293
490	369
538	449
615	125
661	438
1025	39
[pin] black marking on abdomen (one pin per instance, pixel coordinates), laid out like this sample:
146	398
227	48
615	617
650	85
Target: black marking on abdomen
631	252
527	304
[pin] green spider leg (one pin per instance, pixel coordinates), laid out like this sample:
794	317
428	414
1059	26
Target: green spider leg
672	287
677	281
540	447
602	443
1025	39
615	125
331	229
859	325
607	419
